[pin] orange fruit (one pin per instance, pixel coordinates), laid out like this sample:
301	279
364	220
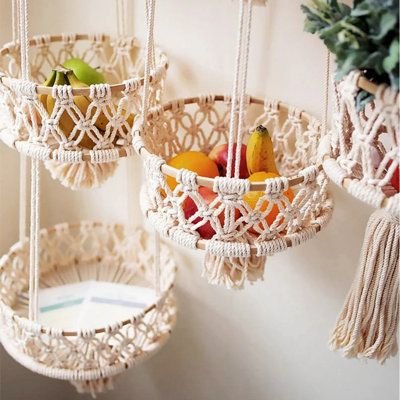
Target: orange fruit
252	198
195	161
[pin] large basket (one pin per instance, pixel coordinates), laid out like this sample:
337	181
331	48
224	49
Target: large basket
26	125
73	253
362	153
199	124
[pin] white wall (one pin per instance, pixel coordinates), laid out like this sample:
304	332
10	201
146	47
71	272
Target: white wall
269	341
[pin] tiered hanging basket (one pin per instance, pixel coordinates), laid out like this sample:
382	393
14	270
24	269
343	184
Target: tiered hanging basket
236	251
86	156
81	252
362	155
66	254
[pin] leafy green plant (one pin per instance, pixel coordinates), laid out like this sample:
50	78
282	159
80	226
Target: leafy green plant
364	36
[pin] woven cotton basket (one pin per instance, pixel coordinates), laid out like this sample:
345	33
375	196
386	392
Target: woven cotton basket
362	155
74	253
235	253
86	156
362	152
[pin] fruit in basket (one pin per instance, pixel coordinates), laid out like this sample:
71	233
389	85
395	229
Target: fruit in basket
83	102
195	161
260	152
66	123
206	231
84	72
252	198
394	180
219	154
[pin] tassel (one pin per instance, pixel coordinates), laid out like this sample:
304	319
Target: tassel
233	272
94	387
367	325
84	175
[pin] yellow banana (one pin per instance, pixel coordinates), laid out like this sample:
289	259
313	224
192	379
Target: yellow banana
260	152
66	123
48	83
83	102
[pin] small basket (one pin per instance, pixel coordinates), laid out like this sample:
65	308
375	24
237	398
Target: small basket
26	125
202	122
362	152
74	253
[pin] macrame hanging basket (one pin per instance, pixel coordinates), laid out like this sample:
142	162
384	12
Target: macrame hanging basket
89	358
236	252
88	155
361	154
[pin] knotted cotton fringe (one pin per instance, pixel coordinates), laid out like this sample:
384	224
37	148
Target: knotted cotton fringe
233	272
94	387
367	325
84	175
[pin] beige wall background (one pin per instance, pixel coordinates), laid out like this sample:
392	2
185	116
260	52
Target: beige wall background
270	340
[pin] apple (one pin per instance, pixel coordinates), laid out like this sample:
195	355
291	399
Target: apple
394	180
219	154
206	231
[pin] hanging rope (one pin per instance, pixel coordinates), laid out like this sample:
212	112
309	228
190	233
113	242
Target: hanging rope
122	15
238	107
243	87
327	78
149	60
22	18
22	158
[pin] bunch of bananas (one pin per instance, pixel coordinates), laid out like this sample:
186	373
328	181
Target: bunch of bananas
78	74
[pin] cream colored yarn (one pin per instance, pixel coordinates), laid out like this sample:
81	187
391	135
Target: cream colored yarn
356	155
199	124
26	125
73	253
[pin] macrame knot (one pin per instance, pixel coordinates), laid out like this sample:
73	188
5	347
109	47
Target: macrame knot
68	38
294	116
27	89
153	165
87	334
188	179
348	87
177	107
103	156
206	101
276	185
63	94
96	39
231	189
131	85
385	97
309	174
314	128
226	249
271	108
67	156
41	42
100	93
270	247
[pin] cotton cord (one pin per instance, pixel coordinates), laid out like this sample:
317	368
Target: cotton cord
235	92
23	169
150	10
327	78
122	16
149	49
34	240
243	87
35	195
